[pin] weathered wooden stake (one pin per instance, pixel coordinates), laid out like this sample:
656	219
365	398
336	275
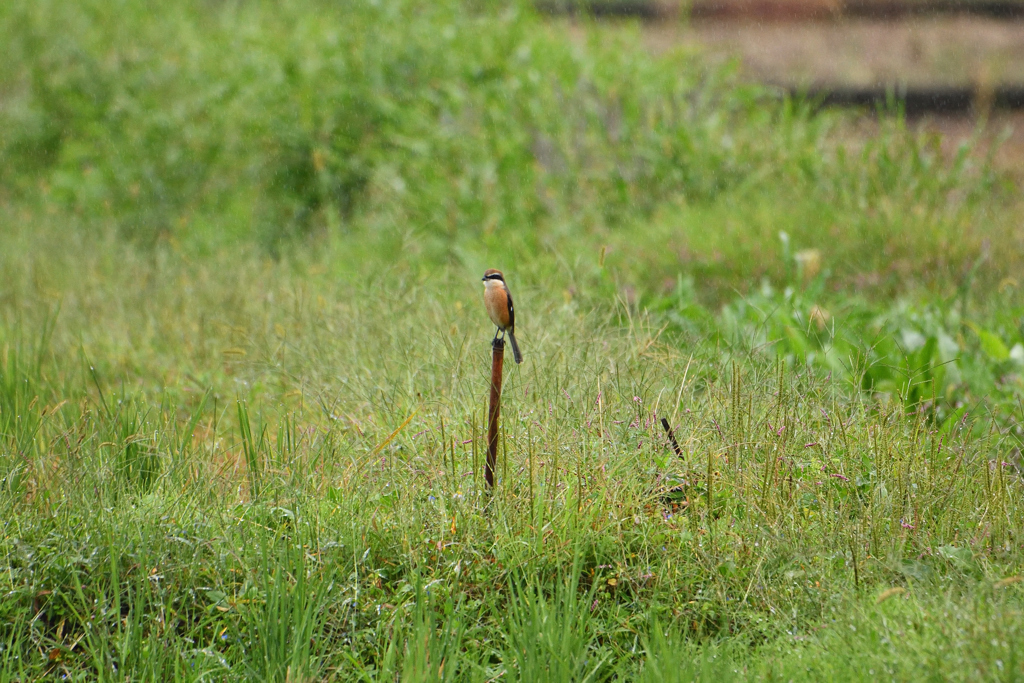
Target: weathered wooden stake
494	410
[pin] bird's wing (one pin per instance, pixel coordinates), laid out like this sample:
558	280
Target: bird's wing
511	310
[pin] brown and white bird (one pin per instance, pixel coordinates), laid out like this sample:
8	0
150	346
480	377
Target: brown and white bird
498	300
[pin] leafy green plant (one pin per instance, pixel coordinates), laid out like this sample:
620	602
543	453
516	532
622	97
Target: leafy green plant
927	357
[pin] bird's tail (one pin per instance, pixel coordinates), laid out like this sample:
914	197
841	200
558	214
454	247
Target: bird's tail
515	347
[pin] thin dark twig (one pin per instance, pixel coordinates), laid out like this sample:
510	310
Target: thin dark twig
672	437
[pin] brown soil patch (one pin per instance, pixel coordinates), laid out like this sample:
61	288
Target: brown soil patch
923	52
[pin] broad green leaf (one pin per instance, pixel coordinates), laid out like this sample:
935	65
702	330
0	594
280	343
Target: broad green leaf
991	344
961	557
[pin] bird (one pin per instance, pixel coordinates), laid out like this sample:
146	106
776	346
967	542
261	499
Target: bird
498	301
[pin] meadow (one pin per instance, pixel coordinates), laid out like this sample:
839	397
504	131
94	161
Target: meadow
244	360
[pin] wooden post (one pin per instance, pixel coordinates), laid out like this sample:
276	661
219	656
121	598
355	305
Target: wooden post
494	410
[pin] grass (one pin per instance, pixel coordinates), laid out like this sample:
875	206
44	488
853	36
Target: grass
243	366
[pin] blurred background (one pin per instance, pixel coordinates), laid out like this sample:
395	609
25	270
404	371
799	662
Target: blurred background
950	64
843	161
812	174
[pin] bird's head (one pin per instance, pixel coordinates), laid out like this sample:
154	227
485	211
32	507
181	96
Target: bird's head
493	274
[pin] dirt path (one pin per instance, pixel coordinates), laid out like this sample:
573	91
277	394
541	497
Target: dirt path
915	53
918	53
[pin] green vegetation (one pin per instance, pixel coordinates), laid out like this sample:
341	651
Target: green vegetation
243	360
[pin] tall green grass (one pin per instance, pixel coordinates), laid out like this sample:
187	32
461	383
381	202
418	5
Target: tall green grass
243	366
454	131
796	500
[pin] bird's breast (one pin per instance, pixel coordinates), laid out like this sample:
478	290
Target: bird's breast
497	305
